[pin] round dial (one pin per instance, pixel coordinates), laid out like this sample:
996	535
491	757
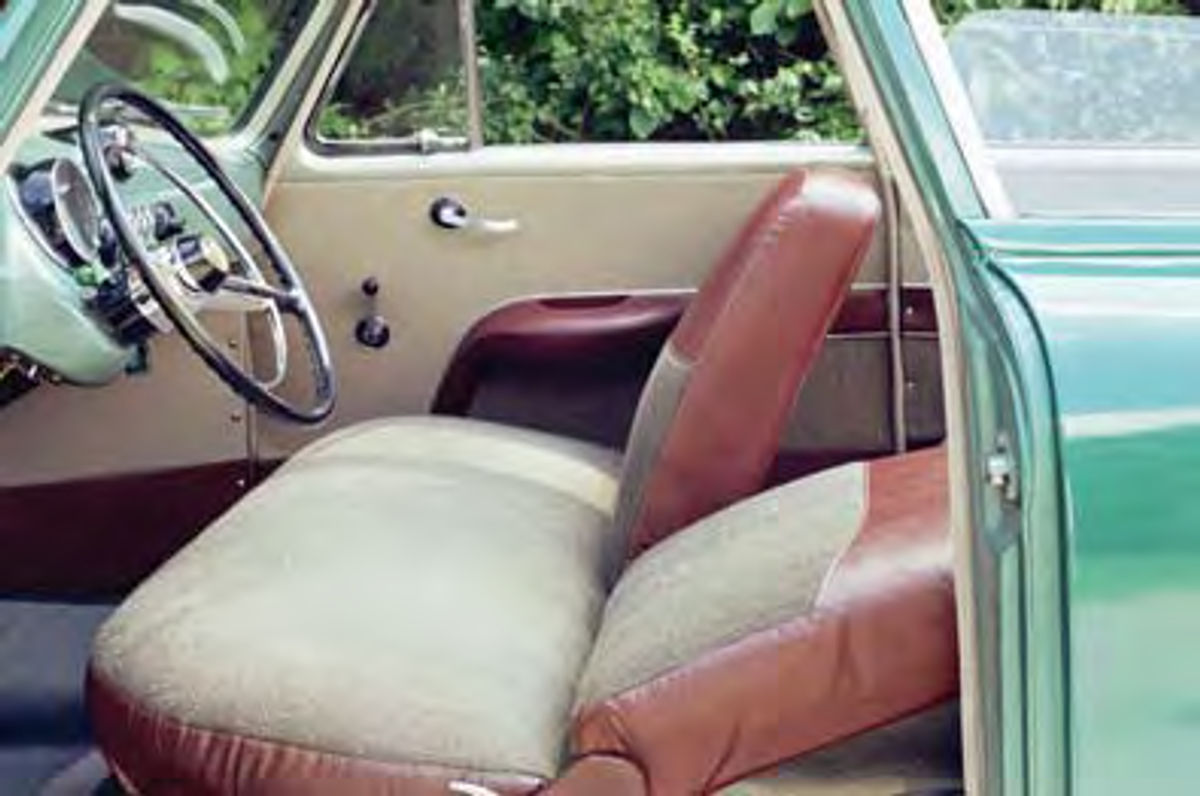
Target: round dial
77	208
58	197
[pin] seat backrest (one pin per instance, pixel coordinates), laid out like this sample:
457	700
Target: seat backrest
710	418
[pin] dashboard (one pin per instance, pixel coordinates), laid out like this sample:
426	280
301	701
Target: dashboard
71	309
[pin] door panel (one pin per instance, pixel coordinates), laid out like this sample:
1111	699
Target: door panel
591	219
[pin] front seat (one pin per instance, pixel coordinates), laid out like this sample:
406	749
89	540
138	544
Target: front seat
433	605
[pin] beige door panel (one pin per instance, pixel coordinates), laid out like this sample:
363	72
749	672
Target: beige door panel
589	220
176	415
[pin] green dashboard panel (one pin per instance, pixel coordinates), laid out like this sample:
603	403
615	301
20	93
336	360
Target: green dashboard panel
43	315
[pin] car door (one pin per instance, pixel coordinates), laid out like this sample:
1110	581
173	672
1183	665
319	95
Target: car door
580	222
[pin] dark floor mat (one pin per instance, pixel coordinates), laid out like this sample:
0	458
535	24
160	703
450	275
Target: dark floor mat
43	727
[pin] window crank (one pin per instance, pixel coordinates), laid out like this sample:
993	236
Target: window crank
452	214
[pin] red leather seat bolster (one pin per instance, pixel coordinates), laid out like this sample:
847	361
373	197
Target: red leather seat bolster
154	755
879	645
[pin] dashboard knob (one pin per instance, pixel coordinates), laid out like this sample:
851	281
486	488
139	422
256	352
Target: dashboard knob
167	221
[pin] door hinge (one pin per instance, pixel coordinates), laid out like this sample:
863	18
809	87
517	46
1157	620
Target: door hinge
1000	471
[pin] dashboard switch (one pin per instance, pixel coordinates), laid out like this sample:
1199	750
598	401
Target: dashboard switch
167	221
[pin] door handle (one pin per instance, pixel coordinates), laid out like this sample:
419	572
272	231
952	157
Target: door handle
451	214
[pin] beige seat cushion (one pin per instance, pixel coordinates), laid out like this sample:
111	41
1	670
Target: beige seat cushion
750	567
410	590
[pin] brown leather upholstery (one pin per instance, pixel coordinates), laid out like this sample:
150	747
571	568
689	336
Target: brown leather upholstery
285	654
879	645
745	345
600	775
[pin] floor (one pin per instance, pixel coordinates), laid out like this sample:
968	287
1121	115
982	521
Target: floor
45	749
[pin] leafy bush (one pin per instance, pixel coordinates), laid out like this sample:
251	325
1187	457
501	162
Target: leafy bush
170	72
621	70
555	70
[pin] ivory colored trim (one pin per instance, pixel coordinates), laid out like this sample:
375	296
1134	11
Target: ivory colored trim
313	94
303	165
890	153
256	125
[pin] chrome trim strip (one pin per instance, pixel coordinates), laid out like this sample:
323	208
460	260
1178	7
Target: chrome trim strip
895	287
470	58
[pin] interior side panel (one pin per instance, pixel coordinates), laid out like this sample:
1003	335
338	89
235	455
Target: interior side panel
98	486
176	414
595	224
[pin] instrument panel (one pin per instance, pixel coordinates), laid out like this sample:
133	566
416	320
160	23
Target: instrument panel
70	308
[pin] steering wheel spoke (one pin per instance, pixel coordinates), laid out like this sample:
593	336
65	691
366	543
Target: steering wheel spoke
286	300
184	286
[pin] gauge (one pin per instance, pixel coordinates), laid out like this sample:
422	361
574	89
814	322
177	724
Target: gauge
59	198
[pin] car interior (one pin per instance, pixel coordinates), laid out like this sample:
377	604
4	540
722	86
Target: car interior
615	472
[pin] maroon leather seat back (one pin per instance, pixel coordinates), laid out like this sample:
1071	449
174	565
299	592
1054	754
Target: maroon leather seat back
710	420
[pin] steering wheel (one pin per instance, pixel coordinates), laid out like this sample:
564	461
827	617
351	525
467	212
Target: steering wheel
238	285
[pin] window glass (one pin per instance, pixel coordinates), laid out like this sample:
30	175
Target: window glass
405	79
601	70
208	59
1039	77
1089	106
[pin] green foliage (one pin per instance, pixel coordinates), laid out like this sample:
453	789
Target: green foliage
556	70
181	78
564	70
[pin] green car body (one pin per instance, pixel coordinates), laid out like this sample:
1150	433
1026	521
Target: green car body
1081	406
1077	331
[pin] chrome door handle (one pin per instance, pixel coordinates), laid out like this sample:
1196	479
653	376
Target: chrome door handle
452	214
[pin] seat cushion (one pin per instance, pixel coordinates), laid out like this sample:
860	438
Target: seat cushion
412	592
791	621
